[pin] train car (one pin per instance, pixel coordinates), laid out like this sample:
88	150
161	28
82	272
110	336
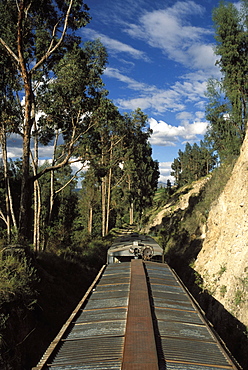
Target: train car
134	246
137	315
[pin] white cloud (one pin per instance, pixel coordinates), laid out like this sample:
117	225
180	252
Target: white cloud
165	172
169	30
172	99
115	46
132	83
165	134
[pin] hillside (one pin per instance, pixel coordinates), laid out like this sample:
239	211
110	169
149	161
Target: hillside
204	231
223	259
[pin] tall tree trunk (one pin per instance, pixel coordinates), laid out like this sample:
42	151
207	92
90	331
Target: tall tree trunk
109	190
52	191
37	211
37	194
25	204
90	220
131	203
131	213
4	157
104	179
8	196
25	201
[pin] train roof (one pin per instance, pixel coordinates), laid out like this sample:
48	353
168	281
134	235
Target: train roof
97	337
124	247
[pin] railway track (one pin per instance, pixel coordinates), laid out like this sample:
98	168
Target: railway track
137	315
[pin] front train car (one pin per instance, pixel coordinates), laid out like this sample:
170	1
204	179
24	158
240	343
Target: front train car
134	246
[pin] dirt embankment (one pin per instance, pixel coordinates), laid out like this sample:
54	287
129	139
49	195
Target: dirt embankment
223	259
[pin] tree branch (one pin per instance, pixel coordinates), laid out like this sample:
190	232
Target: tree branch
3	217
51	49
9	50
69	181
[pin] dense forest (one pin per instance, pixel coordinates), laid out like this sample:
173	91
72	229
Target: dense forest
52	96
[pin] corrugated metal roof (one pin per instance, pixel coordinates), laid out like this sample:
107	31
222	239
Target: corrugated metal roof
97	338
89	353
186	341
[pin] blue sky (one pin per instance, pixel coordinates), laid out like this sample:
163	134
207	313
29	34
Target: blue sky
160	56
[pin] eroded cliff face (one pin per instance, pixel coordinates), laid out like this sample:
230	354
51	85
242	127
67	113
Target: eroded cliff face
223	259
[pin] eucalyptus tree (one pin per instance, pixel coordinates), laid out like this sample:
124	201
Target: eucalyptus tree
232	47
141	171
222	133
35	36
105	146
193	163
66	103
56	227
228	117
10	119
176	171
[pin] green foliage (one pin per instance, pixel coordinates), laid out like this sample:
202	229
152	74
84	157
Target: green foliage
72	93
192	164
56	224
141	170
163	194
222	270
90	252
35	38
18	278
198	280
231	37
227	107
223	134
239	297
223	290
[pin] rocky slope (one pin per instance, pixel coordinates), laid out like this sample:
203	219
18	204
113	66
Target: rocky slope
180	201
223	259
204	232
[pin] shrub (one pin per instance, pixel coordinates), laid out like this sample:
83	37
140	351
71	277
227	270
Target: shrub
17	280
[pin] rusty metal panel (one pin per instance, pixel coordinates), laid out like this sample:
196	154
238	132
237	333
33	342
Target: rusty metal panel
95	329
114	279
106	293
118	313
190	331
89	352
169	302
181	315
107	303
110	287
194	352
168	289
96	339
184	366
186	341
102	366
118	268
140	347
160	280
